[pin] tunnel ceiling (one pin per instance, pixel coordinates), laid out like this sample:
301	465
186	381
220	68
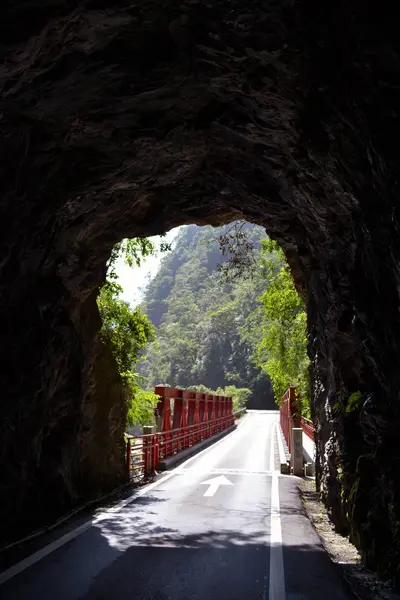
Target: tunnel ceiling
126	119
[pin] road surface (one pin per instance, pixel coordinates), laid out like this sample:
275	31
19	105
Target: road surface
224	525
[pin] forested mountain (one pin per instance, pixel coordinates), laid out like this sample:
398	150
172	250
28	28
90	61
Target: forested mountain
202	323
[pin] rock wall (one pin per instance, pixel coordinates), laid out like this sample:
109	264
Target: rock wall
125	119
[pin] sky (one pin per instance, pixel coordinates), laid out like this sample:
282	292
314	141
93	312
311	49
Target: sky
133	280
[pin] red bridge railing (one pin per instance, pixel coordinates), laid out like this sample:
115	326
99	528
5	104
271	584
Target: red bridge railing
308	427
183	419
290	416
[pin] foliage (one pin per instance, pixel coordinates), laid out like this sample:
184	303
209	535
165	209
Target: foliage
239	396
127	332
282	350
141	408
237	245
133	251
201	318
354	402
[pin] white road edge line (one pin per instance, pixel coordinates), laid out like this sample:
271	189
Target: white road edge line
46	550
277	589
272	449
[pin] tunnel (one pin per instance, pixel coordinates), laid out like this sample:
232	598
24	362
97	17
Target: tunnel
123	119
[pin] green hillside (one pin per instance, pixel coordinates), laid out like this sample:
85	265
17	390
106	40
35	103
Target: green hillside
202	324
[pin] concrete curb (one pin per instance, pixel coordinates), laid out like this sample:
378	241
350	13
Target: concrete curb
174	460
308	455
283	456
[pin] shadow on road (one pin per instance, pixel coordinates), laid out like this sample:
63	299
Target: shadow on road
131	554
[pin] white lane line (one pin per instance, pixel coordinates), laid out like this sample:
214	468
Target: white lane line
223	471
277	589
34	558
46	550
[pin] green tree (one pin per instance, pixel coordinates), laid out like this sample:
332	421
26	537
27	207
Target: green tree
282	349
127	332
240	396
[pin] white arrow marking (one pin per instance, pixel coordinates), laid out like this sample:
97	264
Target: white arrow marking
214	484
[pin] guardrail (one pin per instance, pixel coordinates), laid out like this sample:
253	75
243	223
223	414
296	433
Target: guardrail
145	452
183	419
307	427
290	417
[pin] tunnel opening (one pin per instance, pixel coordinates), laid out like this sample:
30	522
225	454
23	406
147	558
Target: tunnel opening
125	123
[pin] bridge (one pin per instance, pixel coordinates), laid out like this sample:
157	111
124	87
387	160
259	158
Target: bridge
223	524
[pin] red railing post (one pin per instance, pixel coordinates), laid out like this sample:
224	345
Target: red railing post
308	428
155	449
191	416
166	394
203	416
225	412
221	413
196	418
285	418
147	454
213	416
177	421
210	414
294	408
290	416
216	411
230	412
184	421
161	446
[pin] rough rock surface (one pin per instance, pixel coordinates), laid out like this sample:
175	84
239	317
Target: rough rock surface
121	119
362	582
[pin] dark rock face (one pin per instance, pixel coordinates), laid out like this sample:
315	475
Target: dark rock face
127	119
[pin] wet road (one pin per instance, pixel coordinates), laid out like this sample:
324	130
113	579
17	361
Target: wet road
224	525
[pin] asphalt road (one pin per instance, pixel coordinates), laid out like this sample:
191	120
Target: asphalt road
241	536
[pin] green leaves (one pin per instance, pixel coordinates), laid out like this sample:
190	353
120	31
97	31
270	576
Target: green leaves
282	350
354	402
133	251
239	396
126	331
237	246
141	409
